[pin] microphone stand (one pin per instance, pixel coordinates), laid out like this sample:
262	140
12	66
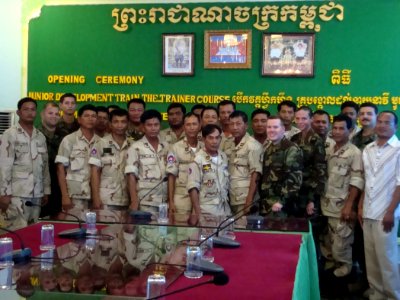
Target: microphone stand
22	255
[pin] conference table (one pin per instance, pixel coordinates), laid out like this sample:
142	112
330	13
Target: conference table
275	260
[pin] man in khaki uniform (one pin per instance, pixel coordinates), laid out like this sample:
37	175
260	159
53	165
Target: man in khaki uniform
245	166
225	108
145	166
345	181
24	172
179	157
259	118
175	131
208	181
109	188
73	168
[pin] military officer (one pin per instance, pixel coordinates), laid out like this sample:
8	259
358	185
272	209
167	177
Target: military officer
259	118
67	123
180	155
175	132
208	181
244	156
282	172
109	188
24	172
286	110
367	116
145	166
345	182
73	169
136	107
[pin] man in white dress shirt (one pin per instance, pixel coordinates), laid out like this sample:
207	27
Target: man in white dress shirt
379	209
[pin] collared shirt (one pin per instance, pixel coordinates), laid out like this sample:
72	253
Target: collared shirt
361	141
73	153
148	166
169	136
180	156
290	133
244	159
24	170
63	128
111	158
210	176
344	169
382	176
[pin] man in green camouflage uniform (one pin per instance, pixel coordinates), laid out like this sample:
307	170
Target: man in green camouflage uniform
367	116
282	172
136	107
314	164
24	172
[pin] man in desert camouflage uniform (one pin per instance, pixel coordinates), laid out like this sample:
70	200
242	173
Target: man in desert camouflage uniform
259	118
136	107
314	164
24	174
145	166
244	156
282	172
109	188
73	169
345	181
175	131
208	181
179	157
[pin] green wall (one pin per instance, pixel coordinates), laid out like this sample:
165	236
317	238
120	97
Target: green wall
81	40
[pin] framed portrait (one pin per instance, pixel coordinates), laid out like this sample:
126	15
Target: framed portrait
288	54
178	54
227	49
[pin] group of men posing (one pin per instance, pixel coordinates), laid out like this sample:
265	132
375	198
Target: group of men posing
206	162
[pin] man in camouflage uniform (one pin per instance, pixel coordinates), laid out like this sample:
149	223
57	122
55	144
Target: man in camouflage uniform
109	188
314	164
73	169
136	107
50	116
367	116
24	174
208	181
179	157
321	125
67	124
244	156
225	108
259	118
286	110
175	132
282	172
345	181
145	166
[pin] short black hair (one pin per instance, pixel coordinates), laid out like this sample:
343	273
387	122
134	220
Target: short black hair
136	100
210	128
287	103
191	114
370	104
343	118
260	111
26	100
241	114
102	109
118	112
114	106
322	112
209	108
307	109
66	95
150	114
396	119
197	106
177	105
350	104
226	102
85	108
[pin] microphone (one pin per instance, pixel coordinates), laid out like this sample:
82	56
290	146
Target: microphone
223	242
21	255
218	279
202	265
75	233
144	215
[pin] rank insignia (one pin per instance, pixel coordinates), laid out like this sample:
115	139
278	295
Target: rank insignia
206	167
